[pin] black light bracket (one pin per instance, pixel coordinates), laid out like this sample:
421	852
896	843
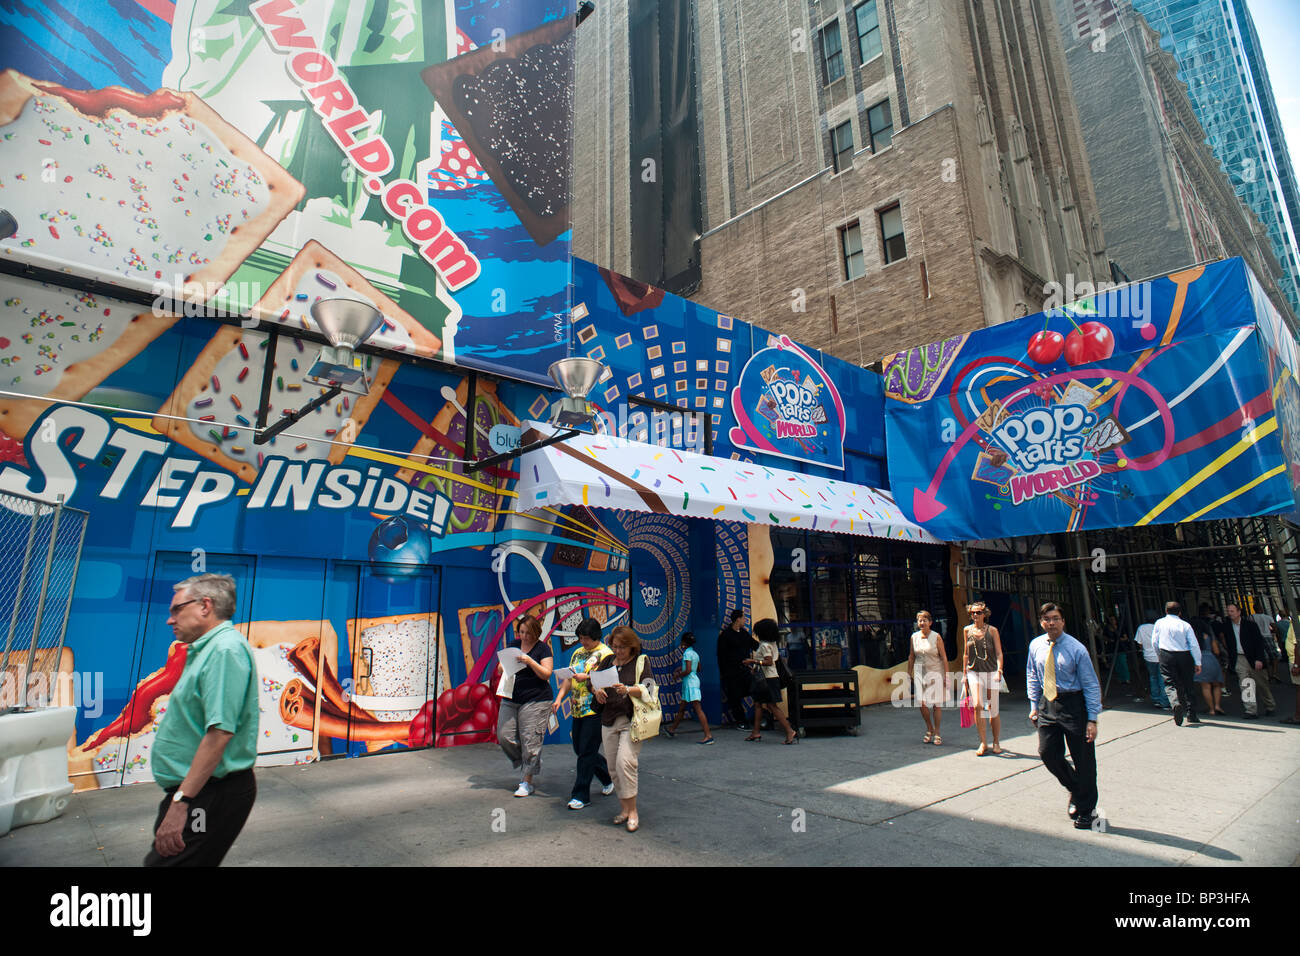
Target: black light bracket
473	466
263	434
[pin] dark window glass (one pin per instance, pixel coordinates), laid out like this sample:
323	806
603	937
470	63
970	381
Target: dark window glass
851	246
891	234
842	144
868	22
880	122
832	52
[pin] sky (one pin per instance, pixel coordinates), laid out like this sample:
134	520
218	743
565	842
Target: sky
1278	25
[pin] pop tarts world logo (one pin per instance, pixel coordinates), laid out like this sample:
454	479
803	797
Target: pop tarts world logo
1048	447
785	404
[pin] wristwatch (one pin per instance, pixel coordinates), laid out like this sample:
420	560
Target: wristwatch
180	797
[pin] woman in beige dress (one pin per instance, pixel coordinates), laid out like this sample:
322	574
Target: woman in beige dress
927	668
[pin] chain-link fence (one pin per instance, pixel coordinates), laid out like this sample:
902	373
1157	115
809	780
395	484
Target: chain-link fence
40	550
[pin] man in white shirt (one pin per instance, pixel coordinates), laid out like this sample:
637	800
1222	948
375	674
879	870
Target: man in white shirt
1180	661
1152	661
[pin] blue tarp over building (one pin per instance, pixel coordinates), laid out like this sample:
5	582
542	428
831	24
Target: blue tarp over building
1163	401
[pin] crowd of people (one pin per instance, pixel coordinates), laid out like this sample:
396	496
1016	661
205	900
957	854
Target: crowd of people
206	743
1208	651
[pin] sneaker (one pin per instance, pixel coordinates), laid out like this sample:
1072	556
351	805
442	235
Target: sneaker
576	804
525	789
708	741
606	790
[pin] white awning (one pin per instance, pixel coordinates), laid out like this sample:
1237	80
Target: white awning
602	471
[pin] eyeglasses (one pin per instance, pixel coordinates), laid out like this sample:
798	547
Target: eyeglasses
172	610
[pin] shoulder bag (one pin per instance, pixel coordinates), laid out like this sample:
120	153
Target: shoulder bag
646	712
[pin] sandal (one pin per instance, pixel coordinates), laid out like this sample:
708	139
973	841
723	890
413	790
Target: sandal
670	733
791	740
751	737
938	741
633	824
997	750
621	818
927	738
982	750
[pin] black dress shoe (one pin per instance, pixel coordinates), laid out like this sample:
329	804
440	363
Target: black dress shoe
1084	822
1178	714
1193	719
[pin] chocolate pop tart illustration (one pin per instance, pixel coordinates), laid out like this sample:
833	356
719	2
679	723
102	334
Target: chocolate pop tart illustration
514	107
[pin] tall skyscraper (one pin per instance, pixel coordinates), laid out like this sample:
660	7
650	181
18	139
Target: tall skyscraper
1165	202
1219	58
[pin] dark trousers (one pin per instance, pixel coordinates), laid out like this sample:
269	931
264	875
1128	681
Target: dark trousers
213	819
1063	722
591	763
736	685
1178	670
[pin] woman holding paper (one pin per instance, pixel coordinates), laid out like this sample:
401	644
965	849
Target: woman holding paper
521	723
615	682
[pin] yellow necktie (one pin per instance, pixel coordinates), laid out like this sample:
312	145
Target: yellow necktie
1049	674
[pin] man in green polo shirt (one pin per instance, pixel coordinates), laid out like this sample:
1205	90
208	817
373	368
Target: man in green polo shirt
206	745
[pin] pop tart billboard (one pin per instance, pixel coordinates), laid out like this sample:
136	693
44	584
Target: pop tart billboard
258	156
1097	414
785	404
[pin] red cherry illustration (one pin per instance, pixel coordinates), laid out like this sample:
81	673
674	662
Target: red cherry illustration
1090	342
1046	347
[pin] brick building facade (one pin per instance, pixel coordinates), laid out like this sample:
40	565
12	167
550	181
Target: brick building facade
875	174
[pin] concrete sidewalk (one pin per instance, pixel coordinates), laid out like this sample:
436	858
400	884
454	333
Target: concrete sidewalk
1224	793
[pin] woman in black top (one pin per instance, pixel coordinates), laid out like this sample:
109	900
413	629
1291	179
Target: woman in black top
521	723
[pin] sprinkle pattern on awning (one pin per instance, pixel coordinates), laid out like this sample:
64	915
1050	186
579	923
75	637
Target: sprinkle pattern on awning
602	471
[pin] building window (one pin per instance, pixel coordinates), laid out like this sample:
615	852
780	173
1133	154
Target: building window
868	22
842	144
832	52
891	234
851	248
880	122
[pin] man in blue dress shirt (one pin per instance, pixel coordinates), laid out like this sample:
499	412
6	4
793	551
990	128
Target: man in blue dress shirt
1064	702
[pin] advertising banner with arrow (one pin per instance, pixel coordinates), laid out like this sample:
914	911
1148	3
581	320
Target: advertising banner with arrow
1158	402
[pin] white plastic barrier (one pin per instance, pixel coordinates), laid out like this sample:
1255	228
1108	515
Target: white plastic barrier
34	784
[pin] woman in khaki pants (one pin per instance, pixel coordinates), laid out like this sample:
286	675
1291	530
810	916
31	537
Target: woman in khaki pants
621	751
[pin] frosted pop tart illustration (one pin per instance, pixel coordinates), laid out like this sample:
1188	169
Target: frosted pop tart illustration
135	188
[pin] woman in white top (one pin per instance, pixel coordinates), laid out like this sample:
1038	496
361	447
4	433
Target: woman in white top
927	668
765	659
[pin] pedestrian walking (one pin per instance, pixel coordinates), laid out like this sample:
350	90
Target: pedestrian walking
1210	677
1180	661
927	669
1295	675
982	670
622	752
521	723
764	660
584	731
1065	702
1151	660
735	645
206	744
1248	656
689	675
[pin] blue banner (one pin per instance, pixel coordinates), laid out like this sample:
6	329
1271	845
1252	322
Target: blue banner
1151	403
